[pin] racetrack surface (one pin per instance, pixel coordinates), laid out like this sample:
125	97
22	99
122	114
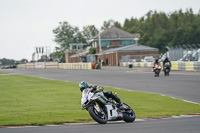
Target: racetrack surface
182	125
182	85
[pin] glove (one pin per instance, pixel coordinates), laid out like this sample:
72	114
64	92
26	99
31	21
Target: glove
99	88
94	87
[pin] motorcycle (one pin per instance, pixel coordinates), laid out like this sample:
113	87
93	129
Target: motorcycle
166	68
157	69
102	109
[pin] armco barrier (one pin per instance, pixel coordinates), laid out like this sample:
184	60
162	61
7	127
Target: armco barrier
176	65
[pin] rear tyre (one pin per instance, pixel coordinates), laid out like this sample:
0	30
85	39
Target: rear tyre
129	115
99	117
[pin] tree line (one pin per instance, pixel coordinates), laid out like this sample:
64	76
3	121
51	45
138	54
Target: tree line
157	29
5	61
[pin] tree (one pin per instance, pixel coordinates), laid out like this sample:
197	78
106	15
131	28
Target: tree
24	61
66	34
5	61
106	25
158	29
118	25
89	31
58	55
92	51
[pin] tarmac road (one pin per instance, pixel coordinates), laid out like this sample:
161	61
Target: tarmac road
181	125
182	85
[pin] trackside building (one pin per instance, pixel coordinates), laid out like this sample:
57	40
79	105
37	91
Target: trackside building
112	46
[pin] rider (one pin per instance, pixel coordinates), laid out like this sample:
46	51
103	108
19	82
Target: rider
84	85
156	63
165	61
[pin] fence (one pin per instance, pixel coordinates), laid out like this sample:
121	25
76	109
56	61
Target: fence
185	66
86	66
43	65
36	65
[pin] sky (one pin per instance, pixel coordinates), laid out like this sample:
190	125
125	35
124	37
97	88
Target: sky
26	24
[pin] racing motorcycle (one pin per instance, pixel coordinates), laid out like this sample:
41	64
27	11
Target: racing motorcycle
103	109
166	68
157	69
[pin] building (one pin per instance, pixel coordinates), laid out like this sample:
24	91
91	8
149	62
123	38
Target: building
73	54
113	38
114	56
113	46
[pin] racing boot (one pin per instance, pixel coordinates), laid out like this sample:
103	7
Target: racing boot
123	106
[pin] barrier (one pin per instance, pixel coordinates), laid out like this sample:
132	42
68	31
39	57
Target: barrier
142	64
21	66
51	64
30	65
124	63
85	66
39	65
149	64
176	65
135	64
189	66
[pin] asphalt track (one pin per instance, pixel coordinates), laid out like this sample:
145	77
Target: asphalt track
182	85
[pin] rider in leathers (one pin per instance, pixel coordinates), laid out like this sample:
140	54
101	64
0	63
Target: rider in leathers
165	61
156	63
84	85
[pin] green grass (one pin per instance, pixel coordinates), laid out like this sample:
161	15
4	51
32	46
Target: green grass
2	73
34	101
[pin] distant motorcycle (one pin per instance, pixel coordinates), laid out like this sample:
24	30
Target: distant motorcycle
102	109
156	70
166	68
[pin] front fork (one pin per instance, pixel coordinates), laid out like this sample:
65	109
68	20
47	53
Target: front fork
97	107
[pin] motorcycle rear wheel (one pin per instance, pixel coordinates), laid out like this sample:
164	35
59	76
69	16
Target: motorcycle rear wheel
101	118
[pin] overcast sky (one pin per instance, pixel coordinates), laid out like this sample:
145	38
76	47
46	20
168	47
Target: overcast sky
25	24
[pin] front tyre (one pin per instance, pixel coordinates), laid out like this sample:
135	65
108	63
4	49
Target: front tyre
129	115
99	117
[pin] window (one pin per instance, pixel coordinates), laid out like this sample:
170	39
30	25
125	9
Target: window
73	46
105	43
79	47
126	42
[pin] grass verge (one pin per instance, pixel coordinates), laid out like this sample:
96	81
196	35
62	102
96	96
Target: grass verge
2	73
34	101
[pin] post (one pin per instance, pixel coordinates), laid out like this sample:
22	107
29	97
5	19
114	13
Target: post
100	42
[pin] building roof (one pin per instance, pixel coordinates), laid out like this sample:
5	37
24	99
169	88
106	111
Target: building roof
129	48
115	33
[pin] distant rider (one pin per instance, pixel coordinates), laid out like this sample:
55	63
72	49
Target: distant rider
166	61
84	85
156	63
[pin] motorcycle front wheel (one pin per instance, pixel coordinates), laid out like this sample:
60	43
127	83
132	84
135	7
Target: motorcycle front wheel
99	117
129	115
